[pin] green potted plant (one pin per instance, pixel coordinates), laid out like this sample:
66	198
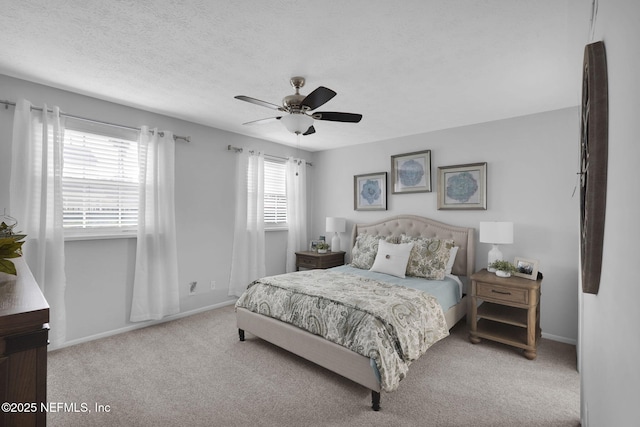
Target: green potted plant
322	247
503	268
10	247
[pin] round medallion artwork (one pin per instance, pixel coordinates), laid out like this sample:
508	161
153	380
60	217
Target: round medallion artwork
371	191
411	173
461	187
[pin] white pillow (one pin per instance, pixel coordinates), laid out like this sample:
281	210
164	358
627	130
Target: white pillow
392	258
452	258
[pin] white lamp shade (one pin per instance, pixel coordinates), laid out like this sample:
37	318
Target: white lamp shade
336	225
496	232
297	122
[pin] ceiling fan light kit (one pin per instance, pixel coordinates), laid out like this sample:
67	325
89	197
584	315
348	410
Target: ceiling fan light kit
298	120
297	123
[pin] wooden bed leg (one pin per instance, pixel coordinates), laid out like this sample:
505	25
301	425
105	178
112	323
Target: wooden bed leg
241	334
375	400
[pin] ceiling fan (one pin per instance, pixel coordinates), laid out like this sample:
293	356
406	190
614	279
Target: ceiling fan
299	120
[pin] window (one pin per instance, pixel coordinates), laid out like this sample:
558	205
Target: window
100	181
275	194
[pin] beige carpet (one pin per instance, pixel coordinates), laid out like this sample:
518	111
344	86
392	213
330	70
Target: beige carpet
195	372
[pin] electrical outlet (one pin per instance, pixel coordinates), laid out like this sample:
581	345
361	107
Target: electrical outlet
213	284
192	287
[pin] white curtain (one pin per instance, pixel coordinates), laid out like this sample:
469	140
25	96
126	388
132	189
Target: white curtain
248	255
296	179
155	287
36	202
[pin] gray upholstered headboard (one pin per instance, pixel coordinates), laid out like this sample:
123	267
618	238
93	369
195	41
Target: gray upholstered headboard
417	226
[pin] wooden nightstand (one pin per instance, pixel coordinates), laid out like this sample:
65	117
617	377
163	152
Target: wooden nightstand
509	313
308	259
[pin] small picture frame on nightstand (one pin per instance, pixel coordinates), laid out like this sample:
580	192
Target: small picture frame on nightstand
313	245
527	268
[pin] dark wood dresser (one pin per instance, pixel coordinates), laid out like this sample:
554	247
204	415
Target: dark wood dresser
24	335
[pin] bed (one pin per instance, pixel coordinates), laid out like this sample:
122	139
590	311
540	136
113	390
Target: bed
342	360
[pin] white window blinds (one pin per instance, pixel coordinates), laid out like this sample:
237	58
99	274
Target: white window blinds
100	183
275	193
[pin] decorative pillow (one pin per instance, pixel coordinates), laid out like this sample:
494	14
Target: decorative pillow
429	257
392	258
452	259
364	251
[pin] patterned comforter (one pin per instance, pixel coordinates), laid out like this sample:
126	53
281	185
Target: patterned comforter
391	324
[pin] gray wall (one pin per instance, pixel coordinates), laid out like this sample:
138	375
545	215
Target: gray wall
531	166
100	272
531	160
609	339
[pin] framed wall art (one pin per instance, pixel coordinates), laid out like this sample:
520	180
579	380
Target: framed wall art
370	192
411	172
527	268
594	142
462	186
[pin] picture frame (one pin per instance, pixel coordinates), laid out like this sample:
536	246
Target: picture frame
411	172
313	245
370	192
462	187
527	268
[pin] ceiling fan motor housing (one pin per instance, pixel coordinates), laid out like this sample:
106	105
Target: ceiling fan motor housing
293	102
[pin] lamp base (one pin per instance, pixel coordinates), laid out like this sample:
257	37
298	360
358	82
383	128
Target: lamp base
335	243
494	255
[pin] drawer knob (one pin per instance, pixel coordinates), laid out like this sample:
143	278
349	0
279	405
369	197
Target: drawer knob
500	292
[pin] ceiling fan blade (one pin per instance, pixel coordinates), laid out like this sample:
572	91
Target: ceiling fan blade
318	97
260	121
337	117
310	130
259	102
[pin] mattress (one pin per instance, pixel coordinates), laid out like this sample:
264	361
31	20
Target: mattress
448	292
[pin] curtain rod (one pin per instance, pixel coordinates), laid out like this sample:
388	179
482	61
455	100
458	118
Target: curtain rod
240	150
160	133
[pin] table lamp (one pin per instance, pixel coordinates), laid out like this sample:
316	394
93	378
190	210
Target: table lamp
335	225
496	233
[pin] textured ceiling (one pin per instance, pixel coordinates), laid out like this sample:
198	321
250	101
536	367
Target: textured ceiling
409	66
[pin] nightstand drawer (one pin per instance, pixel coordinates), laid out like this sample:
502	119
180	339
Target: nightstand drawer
500	293
306	261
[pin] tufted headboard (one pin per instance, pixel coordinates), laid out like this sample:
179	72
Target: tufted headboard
417	226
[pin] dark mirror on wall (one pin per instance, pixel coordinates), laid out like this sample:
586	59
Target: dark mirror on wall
593	164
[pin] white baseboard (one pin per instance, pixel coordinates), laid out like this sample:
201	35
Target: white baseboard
140	325
560	339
